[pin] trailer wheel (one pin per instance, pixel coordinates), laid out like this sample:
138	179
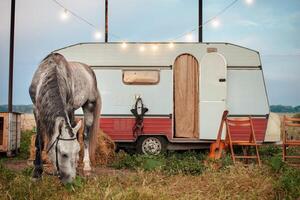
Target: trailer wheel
151	145
9	154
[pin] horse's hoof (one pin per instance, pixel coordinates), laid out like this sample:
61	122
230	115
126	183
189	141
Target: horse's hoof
87	172
37	173
36	179
87	168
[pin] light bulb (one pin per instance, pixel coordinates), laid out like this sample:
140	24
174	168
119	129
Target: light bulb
215	23
97	35
154	47
249	2
64	15
142	48
189	37
171	45
124	45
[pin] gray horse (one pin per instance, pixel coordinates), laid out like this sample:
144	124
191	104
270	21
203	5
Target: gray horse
57	89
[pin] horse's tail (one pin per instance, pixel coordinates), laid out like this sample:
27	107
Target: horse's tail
93	140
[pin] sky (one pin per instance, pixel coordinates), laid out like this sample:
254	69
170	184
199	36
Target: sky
271	27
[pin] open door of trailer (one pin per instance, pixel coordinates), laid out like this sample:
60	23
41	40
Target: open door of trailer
213	89
186	96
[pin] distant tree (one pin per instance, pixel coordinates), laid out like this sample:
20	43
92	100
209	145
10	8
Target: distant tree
18	108
284	109
297	109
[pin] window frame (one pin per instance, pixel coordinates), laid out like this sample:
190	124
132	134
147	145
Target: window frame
140	70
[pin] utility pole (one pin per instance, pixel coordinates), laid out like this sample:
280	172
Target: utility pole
200	21
11	56
106	21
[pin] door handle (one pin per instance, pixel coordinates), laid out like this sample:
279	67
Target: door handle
222	80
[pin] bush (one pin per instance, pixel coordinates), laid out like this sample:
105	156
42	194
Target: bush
25	145
172	163
288	184
276	163
267	151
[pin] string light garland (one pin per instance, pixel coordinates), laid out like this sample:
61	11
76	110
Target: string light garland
214	21
207	21
67	12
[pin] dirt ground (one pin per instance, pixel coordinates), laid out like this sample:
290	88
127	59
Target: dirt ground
20	165
16	165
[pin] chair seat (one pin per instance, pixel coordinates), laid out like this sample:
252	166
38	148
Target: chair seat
292	156
292	142
246	157
244	143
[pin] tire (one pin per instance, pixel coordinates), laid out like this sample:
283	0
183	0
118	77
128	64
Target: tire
151	145
9	154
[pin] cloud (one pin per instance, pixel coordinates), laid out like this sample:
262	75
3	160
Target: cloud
245	22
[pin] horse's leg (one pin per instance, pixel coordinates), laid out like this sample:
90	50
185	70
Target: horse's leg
88	122
38	162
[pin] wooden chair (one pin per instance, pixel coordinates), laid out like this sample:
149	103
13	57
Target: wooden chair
286	141
246	138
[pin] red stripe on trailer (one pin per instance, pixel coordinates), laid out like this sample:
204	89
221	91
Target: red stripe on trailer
242	133
121	128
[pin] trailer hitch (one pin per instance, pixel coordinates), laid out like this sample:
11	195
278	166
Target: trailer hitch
139	112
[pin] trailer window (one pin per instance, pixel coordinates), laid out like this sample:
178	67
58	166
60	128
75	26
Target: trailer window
141	77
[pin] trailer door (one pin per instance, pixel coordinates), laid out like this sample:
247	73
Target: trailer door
186	96
213	79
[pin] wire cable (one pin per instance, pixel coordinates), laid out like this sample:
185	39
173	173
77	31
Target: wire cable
174	39
207	21
75	15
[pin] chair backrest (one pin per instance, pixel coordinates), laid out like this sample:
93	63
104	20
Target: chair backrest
242	126
289	122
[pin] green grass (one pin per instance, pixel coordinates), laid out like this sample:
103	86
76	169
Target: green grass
190	163
185	175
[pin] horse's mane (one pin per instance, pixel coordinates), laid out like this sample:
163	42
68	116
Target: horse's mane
53	92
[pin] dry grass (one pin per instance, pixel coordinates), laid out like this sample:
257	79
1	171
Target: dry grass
235	182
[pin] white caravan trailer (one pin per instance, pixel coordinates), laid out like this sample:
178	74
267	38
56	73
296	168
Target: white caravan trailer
184	86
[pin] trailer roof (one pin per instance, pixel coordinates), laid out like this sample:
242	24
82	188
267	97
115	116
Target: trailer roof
155	54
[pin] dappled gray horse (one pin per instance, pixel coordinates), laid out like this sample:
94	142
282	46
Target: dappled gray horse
58	88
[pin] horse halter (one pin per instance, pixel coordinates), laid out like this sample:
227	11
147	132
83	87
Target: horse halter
56	150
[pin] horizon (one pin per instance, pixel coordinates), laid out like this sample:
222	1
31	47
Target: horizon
39	30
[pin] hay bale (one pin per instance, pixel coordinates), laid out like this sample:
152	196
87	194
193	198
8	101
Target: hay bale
32	152
105	151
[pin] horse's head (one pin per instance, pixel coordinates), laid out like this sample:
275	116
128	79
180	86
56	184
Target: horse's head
64	150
